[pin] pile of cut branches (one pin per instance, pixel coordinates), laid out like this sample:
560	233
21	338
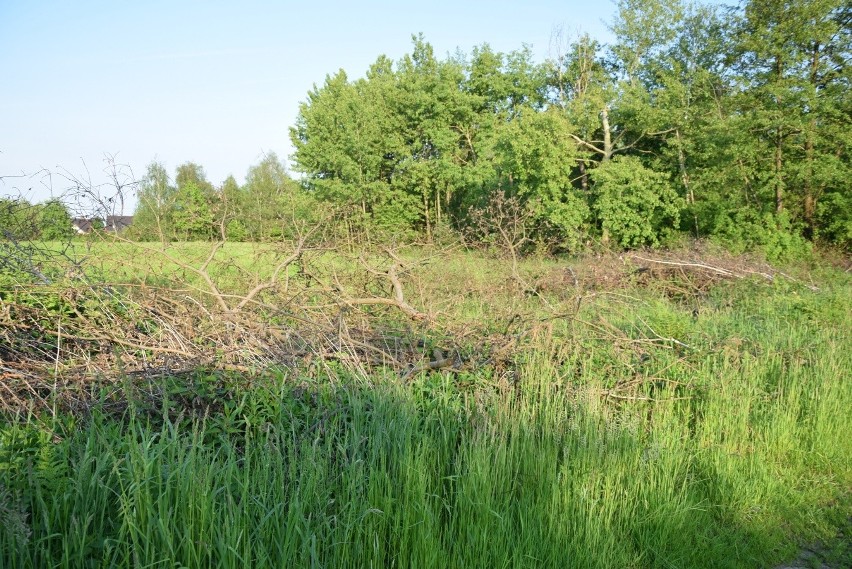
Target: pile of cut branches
61	340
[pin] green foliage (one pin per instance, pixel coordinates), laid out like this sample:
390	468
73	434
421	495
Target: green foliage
190	173
412	144
19	220
397	212
270	203
835	218
793	58
154	216
236	230
634	205
536	165
22	221
193	217
266	208
771	235
54	221
741	109
644	30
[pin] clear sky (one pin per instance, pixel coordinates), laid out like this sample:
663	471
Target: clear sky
217	83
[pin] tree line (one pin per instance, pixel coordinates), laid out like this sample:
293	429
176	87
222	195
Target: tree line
190	208
723	123
21	220
728	123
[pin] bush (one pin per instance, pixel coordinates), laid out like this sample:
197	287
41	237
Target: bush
772	235
834	213
236	230
55	221
634	205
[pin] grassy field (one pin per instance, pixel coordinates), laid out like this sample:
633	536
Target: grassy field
635	423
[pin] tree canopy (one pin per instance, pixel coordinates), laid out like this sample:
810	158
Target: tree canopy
731	124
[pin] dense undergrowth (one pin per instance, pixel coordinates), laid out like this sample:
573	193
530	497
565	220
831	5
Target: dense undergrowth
644	427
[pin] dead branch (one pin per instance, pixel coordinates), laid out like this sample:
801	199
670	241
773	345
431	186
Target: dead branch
610	394
440	362
738	273
273	280
716	270
25	258
201	270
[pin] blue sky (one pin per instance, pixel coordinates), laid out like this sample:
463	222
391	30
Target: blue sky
217	83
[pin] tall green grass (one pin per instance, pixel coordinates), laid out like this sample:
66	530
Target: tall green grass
744	449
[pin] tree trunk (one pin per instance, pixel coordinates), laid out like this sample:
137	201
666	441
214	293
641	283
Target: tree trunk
437	207
428	221
779	140
684	175
809	205
584	175
779	181
810	193
607	135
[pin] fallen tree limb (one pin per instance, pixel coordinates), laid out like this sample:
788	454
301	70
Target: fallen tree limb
717	270
729	273
440	362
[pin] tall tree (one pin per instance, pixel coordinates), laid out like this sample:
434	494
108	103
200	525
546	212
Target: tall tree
271	201
193	216
190	172
583	86
501	89
19	220
690	87
232	210
537	157
793	60
195	204
347	142
154	216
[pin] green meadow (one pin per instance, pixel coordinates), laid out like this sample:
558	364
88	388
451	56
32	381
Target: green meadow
639	425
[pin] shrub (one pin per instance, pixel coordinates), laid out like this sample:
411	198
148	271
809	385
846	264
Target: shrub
834	213
772	235
634	205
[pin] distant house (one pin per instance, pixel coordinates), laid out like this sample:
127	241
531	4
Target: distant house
82	225
116	223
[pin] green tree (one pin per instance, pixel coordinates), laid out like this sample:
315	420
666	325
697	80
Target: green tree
673	56
412	145
193	216
271	201
634	206
19	220
345	141
689	90
429	102
792	59
501	88
233	210
537	156
196	204
54	221
192	173
583	87
154	216
607	108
